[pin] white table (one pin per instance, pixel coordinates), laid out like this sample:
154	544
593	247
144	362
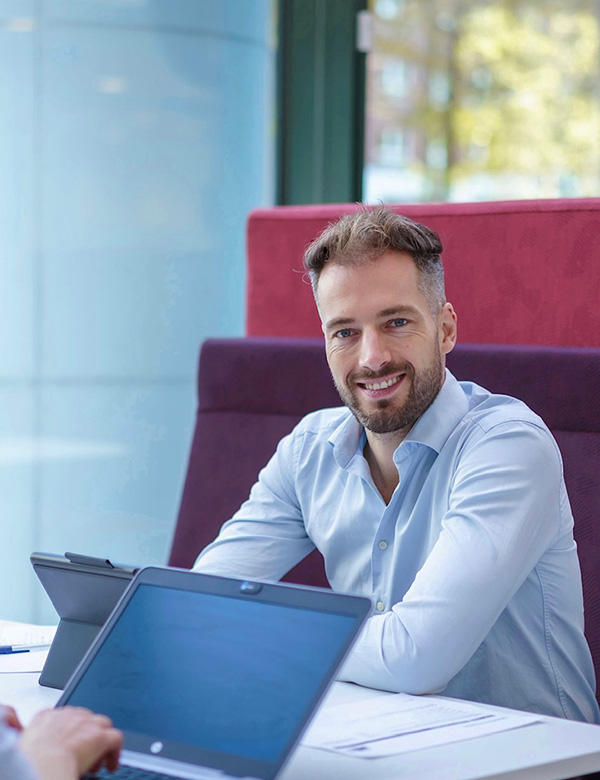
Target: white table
548	750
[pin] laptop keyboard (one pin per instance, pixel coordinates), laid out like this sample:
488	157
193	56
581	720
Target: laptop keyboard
128	773
133	773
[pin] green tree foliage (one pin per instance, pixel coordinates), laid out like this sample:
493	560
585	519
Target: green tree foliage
527	92
501	90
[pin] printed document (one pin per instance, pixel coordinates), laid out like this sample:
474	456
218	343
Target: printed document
12	633
389	725
27	634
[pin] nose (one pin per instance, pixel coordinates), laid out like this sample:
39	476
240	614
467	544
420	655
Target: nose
374	353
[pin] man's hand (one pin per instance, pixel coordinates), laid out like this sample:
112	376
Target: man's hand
62	744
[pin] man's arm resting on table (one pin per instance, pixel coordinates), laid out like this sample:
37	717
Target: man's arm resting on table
502	516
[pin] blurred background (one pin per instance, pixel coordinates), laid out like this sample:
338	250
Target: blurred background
136	136
480	100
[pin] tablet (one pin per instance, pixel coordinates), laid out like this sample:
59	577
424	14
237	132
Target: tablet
83	590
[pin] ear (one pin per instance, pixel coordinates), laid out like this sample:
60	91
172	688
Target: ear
448	328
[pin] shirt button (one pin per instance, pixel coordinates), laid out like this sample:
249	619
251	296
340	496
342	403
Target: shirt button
382	544
380	606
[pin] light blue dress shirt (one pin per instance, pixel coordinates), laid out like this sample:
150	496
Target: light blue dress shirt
472	566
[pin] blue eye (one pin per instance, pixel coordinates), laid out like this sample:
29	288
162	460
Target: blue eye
343	334
398	322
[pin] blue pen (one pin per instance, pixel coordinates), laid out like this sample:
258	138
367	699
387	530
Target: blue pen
12	649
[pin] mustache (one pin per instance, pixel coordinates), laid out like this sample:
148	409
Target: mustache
373	376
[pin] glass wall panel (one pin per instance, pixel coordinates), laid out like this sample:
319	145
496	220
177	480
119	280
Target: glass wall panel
135	137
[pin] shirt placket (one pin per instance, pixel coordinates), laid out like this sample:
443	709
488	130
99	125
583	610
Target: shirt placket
382	555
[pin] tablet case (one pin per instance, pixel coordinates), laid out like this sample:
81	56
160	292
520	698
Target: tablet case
83	590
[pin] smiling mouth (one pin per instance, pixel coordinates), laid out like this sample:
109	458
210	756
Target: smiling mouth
382	384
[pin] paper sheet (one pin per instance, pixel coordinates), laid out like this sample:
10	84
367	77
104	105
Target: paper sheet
24	634
389	725
23	662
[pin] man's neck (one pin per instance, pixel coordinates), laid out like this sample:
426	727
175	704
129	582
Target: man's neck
379	454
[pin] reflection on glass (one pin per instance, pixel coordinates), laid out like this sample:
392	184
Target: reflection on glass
482	100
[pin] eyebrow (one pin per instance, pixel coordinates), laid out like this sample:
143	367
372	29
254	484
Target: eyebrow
338	322
393	311
410	311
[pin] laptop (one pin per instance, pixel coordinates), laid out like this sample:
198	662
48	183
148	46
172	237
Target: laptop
210	677
84	591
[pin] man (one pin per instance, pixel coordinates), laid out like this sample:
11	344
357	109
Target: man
58	744
442	502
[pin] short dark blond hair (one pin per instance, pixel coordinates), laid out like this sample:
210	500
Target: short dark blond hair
366	235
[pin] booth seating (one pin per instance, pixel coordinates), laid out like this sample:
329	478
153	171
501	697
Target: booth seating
252	391
518	273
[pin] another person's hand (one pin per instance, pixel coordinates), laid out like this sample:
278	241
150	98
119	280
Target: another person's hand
10	717
65	743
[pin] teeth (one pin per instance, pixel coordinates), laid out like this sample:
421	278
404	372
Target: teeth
382	385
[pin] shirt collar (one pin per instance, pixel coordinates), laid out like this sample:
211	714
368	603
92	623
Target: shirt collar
431	429
437	423
348	440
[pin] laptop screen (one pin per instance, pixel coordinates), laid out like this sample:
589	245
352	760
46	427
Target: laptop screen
216	679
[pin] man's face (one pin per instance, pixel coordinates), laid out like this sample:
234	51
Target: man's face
385	346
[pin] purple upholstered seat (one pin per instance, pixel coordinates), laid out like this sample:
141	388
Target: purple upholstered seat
252	391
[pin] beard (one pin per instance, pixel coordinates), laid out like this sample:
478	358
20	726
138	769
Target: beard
390	415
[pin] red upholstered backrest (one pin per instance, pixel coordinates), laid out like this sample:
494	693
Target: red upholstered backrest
522	272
